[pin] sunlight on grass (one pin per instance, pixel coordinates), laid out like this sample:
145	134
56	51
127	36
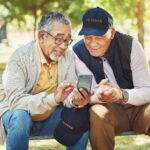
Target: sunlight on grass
49	145
139	140
45	145
135	142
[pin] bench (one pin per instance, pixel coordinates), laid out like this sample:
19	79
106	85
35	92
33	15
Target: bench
41	137
49	137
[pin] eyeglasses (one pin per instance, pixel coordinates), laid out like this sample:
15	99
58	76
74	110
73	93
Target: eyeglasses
59	41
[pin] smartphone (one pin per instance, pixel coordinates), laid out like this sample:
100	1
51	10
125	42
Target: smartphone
85	81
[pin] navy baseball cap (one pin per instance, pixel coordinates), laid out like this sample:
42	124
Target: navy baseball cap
74	122
96	21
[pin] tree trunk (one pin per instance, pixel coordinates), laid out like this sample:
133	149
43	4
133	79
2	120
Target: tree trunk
35	20
140	20
3	32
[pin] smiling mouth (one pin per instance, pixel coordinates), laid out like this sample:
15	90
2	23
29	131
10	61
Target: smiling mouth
93	49
58	54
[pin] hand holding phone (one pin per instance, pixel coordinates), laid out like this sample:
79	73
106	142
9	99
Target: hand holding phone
85	82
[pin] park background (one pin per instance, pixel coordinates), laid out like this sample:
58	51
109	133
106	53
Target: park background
18	22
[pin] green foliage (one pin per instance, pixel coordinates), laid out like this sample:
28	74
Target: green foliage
17	9
123	11
10	10
147	10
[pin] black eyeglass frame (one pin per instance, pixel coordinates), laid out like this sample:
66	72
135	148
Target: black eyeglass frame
59	41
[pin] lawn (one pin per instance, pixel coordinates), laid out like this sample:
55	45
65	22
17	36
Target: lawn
135	142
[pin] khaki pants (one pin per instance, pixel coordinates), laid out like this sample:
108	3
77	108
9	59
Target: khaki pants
107	120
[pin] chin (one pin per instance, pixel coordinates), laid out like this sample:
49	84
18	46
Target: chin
97	54
54	57
94	54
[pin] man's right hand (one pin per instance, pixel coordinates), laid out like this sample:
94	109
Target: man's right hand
63	90
106	93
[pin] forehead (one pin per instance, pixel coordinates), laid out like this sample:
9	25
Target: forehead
60	29
92	36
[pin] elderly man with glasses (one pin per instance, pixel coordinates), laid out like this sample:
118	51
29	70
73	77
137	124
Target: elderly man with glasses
38	78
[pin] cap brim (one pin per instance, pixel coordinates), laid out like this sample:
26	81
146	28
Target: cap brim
64	137
92	31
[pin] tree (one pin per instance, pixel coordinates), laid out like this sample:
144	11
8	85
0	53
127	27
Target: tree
140	20
17	9
3	31
132	11
124	11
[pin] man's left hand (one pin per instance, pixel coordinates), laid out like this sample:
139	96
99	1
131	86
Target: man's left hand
80	98
106	93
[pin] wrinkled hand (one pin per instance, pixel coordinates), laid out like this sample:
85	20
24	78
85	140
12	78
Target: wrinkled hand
80	98
106	93
63	90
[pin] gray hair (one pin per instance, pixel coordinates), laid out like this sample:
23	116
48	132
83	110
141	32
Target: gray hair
108	33
49	18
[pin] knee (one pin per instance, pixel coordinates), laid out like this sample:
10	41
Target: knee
147	111
21	119
100	115
99	111
146	120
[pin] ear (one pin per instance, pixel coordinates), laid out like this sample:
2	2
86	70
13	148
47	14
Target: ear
41	36
113	31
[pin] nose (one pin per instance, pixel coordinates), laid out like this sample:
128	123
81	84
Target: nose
93	43
63	45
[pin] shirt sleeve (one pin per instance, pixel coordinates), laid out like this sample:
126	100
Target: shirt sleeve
141	76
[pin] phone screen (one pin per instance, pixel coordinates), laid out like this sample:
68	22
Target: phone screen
85	81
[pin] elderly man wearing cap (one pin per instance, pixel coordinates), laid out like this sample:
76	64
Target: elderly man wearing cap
123	77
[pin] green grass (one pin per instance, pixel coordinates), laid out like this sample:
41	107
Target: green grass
46	145
57	147
49	145
135	142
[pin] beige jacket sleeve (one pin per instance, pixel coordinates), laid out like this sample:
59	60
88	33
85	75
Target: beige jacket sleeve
18	89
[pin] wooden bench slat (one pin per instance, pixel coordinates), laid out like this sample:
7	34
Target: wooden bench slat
127	133
50	137
41	137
